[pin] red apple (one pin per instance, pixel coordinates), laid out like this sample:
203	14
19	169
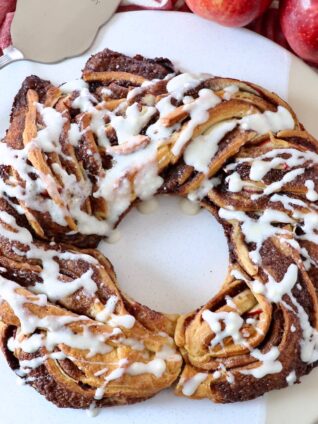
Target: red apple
299	21
229	12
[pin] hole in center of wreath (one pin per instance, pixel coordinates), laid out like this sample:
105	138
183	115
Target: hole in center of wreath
167	260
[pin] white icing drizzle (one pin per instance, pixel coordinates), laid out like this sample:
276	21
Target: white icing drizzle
235	182
114	236
198	111
311	194
287	202
230	377
217	374
48	138
238	275
189	207
308	221
191	385
229	301
268	121
261	165
85	100
113	375
270	363
133	343
202	149
74	134
51	285
257	231
222	371
101	372
108	310
74	193
155	367
291	378
229	91
203	189
200	152
18	234
309	342
273	159
232	325
148	206
107	315
57	333
115	186
29	323
182	83
168	353
287	178
21	381
158	132
32	190
133	122
254	322
28	345
26	366
92	411
273	290
127	321
135	174
55	329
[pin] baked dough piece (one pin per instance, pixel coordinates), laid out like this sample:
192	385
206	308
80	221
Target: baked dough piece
66	330
77	157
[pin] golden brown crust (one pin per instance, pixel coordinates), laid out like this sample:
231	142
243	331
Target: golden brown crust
71	381
229	369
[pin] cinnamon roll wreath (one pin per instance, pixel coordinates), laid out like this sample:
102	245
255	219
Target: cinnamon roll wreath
77	156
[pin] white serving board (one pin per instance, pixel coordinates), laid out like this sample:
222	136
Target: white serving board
168	260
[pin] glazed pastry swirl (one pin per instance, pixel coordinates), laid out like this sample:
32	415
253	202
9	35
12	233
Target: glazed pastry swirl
66	329
78	156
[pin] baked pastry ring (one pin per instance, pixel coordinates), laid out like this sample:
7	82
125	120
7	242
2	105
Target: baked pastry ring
77	157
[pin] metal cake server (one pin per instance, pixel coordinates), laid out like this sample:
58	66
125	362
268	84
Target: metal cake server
49	31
